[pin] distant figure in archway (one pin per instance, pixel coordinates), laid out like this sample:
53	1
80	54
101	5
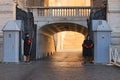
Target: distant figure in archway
87	49
27	47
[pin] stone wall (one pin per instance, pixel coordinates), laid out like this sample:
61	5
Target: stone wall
7	12
21	4
45	46
69	41
35	3
98	3
113	18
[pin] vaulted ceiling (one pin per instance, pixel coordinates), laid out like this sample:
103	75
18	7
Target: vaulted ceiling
51	29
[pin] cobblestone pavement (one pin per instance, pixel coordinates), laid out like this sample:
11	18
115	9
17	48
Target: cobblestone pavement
63	66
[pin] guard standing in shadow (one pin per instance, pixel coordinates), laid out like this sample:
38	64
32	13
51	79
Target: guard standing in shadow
27	47
87	50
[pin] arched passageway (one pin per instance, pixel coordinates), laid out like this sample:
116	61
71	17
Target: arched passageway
50	38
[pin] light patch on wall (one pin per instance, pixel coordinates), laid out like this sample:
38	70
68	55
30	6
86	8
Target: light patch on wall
69	2
69	41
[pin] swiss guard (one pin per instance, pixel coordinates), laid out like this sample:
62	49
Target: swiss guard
27	47
87	49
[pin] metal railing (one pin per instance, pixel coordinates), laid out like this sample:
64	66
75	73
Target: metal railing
115	55
61	11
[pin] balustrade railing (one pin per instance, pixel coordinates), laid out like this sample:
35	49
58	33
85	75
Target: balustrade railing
115	55
61	11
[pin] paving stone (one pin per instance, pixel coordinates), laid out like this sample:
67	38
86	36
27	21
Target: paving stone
64	66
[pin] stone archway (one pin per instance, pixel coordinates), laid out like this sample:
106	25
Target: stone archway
46	42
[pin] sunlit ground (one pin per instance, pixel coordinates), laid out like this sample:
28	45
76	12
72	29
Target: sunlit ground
67	59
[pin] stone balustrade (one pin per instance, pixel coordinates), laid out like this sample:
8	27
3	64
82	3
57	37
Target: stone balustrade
61	11
115	55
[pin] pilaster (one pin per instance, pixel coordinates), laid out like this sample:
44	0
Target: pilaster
113	17
6	12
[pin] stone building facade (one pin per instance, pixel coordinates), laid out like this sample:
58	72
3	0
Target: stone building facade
8	12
